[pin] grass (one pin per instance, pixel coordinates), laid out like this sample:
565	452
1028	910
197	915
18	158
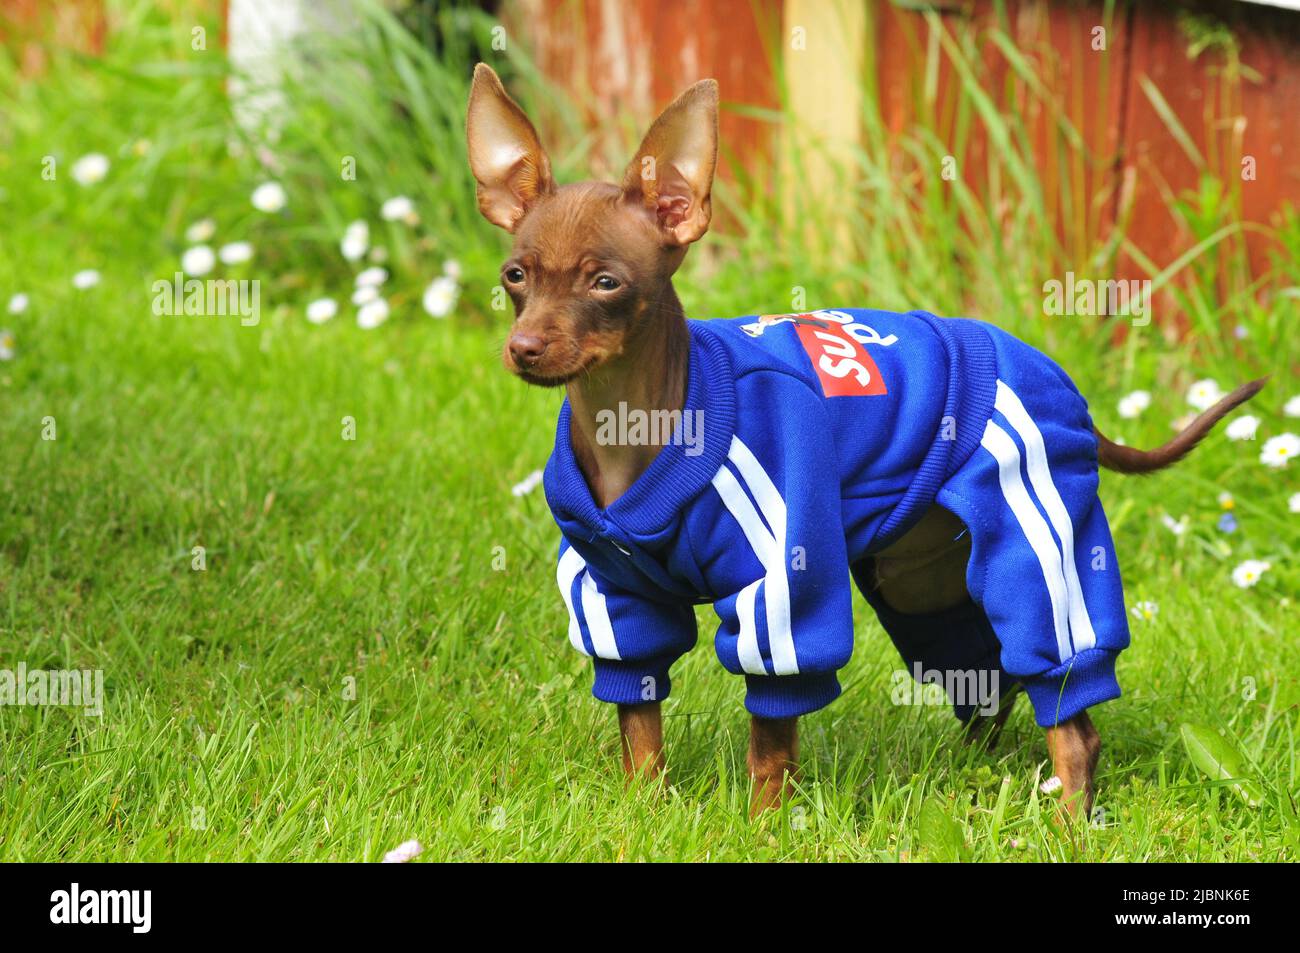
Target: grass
356	666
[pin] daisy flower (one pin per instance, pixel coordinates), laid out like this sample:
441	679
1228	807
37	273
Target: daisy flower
87	278
372	314
235	253
18	303
527	484
1249	573
451	268
198	261
1243	428
201	231
321	310
269	197
1278	450
365	294
6	345
440	297
1204	394
399	209
1146	611
1227	500
1293	504
90	169
1133	404
1292	407
1177	527
372	276
356	239
403	852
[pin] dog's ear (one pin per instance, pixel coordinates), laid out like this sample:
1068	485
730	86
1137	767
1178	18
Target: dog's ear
505	154
672	174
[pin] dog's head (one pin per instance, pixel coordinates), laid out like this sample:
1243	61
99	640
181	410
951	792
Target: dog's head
592	261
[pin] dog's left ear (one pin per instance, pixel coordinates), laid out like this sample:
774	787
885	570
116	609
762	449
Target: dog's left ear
672	174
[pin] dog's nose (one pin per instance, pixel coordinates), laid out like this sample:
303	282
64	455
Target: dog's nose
526	349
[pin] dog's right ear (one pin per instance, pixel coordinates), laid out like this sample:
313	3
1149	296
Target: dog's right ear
505	154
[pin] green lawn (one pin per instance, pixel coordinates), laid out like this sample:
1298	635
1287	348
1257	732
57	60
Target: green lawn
356	667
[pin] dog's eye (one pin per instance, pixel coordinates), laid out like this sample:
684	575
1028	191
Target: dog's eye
606	283
514	275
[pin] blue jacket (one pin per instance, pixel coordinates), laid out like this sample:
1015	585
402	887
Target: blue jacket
806	443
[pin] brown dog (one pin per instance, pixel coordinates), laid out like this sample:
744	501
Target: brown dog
591	280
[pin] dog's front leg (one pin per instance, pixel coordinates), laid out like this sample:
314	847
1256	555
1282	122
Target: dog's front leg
641	732
773	760
1074	746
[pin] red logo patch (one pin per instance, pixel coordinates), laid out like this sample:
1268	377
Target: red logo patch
842	364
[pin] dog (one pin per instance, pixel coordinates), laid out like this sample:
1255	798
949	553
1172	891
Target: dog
941	466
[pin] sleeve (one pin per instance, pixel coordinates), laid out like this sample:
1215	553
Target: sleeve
632	640
790	628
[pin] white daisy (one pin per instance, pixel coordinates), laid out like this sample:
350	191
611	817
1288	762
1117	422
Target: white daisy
1204	394
451	268
1293	504
372	276
6	345
1146	611
1278	450
1133	404
527	484
1292	407
87	278
90	169
440	297
399	209
321	310
403	852
1227	500
1249	573
235	253
269	197
372	314
201	231
365	294
198	261
18	303
356	239
1177	527
1243	428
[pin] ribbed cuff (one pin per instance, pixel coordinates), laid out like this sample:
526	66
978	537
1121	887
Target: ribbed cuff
1085	680
632	683
788	696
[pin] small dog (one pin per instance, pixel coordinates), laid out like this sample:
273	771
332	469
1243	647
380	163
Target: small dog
945	468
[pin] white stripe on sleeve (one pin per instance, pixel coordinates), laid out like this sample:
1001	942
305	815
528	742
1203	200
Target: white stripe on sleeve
997	442
570	565
1040	477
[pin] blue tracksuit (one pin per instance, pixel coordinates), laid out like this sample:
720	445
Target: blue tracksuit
807	444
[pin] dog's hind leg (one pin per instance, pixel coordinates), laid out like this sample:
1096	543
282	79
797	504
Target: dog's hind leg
1075	746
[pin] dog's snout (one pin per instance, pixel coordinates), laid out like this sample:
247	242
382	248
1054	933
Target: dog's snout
526	349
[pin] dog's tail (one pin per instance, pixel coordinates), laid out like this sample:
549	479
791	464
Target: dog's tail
1114	456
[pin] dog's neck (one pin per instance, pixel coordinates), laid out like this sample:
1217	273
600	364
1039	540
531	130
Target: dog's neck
649	375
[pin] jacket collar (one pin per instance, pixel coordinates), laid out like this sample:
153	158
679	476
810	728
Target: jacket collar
675	477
